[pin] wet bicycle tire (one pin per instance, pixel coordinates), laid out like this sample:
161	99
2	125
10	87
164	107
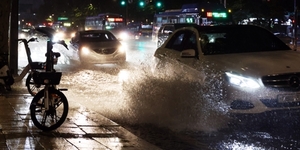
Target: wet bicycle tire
54	117
32	88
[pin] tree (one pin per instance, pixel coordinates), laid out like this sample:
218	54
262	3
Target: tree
243	9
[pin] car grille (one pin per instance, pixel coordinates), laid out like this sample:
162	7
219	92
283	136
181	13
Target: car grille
273	103
105	51
288	81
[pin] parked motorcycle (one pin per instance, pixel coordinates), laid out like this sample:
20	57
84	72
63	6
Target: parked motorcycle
6	78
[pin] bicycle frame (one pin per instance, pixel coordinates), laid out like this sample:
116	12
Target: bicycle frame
49	68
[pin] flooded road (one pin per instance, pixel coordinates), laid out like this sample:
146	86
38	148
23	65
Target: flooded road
164	109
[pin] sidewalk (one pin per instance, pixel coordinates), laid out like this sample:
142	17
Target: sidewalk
82	129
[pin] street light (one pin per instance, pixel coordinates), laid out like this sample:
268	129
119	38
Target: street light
295	25
123	3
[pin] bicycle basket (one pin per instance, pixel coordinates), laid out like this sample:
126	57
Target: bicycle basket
38	65
50	78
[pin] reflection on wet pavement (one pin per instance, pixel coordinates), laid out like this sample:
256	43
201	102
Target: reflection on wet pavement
83	129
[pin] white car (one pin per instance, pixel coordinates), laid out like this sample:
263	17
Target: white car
245	67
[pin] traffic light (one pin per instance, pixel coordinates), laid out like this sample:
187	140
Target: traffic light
158	4
123	2
142	3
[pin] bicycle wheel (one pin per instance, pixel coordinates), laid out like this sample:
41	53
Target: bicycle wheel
33	88
52	118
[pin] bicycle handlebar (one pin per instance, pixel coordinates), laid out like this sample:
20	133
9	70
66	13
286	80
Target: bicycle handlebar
27	41
63	43
48	32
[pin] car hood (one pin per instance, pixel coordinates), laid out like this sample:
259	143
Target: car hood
107	44
256	64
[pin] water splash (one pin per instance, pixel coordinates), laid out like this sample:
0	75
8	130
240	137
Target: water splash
172	101
143	96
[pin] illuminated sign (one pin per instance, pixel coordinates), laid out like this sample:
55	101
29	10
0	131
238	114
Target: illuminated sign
119	19
209	14
62	18
67	24
216	15
189	20
115	19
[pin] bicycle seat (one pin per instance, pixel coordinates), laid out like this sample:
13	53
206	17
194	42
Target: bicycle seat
55	54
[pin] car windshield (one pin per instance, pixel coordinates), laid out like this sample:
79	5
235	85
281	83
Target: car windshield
239	39
96	37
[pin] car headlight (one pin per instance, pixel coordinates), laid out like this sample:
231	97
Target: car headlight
72	34
122	49
85	50
123	35
58	36
241	81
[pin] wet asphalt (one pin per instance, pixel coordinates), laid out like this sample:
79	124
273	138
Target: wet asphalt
83	129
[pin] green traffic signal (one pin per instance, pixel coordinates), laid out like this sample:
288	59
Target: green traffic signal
141	3
123	3
158	4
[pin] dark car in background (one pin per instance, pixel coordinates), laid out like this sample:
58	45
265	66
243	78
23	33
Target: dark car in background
26	32
144	32
167	29
98	47
139	31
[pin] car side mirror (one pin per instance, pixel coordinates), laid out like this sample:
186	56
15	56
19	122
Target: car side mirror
189	53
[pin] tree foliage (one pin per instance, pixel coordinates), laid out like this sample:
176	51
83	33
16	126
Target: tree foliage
243	9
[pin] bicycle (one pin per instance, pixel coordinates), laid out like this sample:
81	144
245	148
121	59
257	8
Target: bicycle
49	107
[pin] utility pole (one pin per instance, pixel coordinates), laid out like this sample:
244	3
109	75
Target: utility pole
14	17
295	25
223	2
126	3
126	14
5	9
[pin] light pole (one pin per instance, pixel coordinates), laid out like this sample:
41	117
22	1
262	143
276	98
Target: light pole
295	25
124	3
223	2
126	14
